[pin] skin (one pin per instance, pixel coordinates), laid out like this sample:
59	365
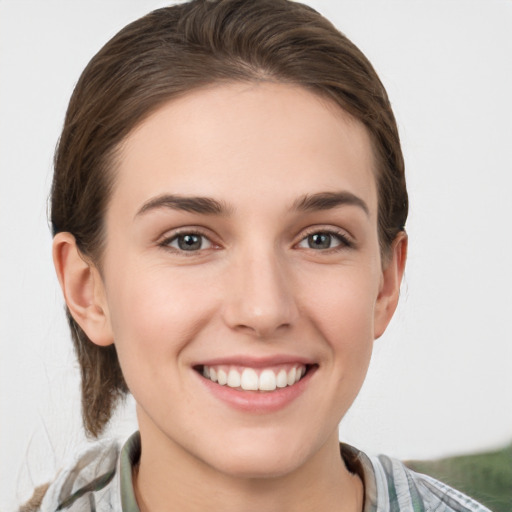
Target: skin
258	287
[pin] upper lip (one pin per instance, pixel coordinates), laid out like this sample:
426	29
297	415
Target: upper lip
256	362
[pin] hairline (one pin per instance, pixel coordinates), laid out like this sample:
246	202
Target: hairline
114	157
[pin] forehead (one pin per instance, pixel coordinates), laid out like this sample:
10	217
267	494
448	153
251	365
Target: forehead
243	140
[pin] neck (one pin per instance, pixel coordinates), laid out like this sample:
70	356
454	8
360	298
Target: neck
168	475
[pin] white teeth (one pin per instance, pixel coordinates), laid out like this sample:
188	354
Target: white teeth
267	380
249	380
282	379
222	377
291	376
233	379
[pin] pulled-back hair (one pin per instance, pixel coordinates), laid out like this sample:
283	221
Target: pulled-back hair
169	53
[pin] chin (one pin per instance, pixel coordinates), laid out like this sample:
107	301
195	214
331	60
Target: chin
268	458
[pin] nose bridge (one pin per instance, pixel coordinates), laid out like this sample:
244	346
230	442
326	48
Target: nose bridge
260	293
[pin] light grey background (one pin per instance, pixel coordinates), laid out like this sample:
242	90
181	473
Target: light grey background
441	379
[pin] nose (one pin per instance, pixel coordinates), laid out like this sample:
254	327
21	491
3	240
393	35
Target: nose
259	297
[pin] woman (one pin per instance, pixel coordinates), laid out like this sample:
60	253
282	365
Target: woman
228	209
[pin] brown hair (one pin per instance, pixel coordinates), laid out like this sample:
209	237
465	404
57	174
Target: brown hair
168	53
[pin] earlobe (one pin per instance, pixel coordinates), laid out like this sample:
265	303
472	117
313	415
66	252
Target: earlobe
389	291
83	289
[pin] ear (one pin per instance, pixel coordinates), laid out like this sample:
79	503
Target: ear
83	289
389	290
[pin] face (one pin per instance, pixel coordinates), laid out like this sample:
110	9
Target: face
242	280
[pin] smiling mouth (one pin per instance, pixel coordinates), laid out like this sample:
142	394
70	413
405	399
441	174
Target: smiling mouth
255	379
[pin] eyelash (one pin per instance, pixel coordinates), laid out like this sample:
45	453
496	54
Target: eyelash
166	242
344	241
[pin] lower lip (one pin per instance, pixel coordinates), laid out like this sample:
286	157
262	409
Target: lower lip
258	402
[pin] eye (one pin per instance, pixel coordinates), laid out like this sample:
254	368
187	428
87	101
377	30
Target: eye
189	242
324	240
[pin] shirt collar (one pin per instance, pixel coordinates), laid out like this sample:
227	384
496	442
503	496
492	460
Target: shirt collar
355	460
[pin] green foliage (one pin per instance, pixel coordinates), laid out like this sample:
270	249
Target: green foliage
486	477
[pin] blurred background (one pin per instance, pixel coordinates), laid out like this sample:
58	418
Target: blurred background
440	384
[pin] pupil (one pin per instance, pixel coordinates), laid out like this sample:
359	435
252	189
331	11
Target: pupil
320	241
189	242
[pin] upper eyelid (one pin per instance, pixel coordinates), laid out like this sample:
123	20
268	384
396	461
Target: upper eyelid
164	241
311	230
171	234
165	244
347	241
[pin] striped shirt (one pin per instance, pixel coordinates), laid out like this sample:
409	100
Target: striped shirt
100	480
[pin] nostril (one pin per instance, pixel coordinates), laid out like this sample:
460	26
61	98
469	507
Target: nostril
261	301
262	328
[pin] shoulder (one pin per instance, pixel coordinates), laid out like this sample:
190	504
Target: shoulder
85	478
409	490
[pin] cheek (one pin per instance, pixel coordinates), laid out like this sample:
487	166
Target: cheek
341	306
155	312
342	297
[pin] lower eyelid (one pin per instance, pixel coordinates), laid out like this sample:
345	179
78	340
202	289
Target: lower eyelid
344	241
207	243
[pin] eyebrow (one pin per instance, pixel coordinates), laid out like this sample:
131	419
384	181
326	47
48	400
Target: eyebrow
201	205
328	200
210	206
